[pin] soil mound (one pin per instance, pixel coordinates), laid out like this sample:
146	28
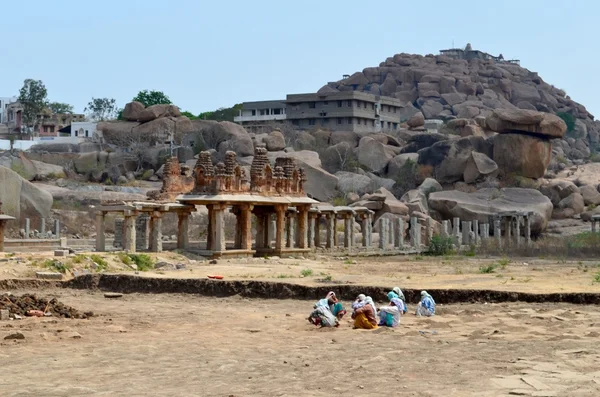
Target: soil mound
25	304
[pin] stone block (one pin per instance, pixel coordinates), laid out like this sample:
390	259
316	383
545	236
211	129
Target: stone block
4	315
48	275
61	252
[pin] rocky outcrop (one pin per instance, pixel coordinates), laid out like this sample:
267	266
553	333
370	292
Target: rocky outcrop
545	125
373	154
590	195
523	155
479	166
132	111
158	111
274	141
221	136
22	199
486	203
417	120
558	189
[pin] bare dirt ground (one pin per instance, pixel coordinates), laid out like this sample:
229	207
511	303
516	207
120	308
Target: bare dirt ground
184	345
534	275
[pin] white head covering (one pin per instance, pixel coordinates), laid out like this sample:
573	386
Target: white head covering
398	292
369	301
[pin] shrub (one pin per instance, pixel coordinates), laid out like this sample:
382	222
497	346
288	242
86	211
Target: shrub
79	258
407	178
597	277
569	120
125	258
100	261
142	261
471	251
440	246
487	269
339	201
503	262
306	272
57	266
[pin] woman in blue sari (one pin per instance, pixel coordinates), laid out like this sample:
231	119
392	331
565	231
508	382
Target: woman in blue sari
426	307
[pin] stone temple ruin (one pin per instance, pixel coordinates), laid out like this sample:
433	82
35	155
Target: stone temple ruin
3	220
274	216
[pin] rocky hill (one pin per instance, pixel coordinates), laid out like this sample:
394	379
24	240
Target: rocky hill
446	88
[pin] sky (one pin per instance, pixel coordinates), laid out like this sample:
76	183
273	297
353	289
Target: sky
210	54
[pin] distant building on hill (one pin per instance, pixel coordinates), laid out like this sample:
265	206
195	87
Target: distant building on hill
4	102
254	116
469	53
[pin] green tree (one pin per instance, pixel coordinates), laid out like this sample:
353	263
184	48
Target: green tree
58	107
33	97
189	115
222	114
100	109
149	98
569	120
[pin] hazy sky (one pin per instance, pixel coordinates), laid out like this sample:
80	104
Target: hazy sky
208	54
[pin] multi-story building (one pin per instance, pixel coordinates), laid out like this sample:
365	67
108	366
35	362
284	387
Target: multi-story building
48	123
344	111
4	102
255	116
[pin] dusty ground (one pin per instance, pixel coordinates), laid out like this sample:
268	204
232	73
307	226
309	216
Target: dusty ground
514	274
183	345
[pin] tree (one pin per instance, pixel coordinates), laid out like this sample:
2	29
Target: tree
149	98
33	98
58	107
101	109
135	142
189	115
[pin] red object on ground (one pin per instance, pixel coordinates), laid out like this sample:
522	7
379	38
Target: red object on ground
35	313
216	277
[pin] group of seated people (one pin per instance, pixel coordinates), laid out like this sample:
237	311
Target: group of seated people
329	311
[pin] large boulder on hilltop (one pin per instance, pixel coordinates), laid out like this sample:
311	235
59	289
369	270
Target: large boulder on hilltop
337	157
590	195
374	154
156	111
486	203
349	182
449	158
344	136
132	111
513	120
417	120
209	134
275	141
22	199
479	166
161	129
522	155
423	140
558	189
573	202
396	164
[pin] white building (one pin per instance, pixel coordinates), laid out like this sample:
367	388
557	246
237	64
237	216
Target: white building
83	129
4	102
256	115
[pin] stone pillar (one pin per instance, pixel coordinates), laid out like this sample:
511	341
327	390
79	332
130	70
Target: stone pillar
43	227
593	225
336	243
271	227
302	227
27	228
528	229
517	222
210	232
476	238
119	229
413	232
508	230
445	232
417	235
330	243
100	232
318	231
2	223
498	232
245	223
183	224
348	231
156	232
129	239
142	232
466	229
399	233
312	220
57	228
261	226
369	230
482	235
279	227
237	242
392	233
429	230
290	230
364	220
219	227
456	232
383	233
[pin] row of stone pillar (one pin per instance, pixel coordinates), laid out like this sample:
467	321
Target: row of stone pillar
473	233
131	232
391	233
331	221
594	221
42	227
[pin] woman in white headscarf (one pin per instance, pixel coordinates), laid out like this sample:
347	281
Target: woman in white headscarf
400	296
390	315
365	313
426	307
327	311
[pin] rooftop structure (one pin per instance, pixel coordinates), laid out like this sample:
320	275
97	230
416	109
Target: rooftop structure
254	116
346	111
469	53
